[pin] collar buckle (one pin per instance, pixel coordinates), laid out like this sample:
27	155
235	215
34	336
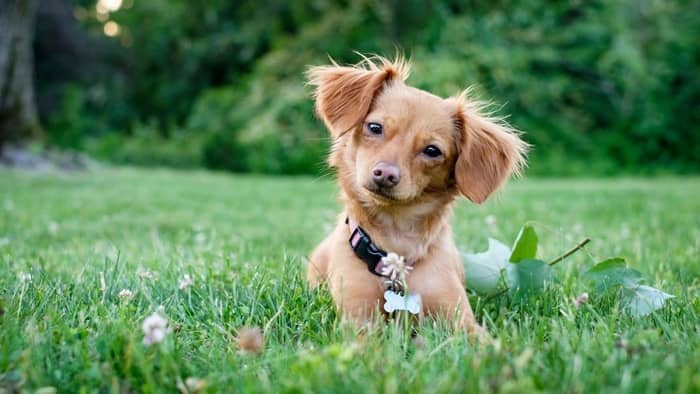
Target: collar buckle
366	250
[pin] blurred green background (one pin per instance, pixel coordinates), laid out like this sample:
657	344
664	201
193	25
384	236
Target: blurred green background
599	87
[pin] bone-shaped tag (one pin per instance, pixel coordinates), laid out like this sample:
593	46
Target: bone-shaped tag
397	302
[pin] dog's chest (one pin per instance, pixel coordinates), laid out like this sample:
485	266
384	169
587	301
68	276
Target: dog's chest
406	238
410	245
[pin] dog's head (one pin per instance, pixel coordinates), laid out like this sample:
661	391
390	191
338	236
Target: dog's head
395	144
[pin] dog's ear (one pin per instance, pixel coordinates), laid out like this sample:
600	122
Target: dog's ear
489	150
344	95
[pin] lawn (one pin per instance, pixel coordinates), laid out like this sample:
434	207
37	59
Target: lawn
70	243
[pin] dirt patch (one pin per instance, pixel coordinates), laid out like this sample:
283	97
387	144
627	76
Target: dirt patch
29	158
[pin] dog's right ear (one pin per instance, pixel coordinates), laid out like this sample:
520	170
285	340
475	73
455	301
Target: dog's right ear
344	95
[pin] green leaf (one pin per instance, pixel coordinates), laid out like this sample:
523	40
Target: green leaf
483	270
607	264
641	300
525	246
613	272
528	277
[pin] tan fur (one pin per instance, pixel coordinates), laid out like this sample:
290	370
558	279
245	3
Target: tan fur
344	94
478	155
490	151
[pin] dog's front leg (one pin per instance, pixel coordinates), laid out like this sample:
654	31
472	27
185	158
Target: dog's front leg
443	296
358	295
317	270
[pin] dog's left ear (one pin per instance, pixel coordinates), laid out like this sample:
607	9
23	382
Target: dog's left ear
489	151
344	95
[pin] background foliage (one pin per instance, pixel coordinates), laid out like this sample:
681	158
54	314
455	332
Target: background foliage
599	87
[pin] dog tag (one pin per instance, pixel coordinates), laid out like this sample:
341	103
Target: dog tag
397	302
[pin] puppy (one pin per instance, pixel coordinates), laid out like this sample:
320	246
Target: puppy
402	157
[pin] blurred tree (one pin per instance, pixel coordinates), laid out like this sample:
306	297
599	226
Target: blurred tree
75	68
67	54
18	118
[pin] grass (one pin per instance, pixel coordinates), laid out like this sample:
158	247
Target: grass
85	237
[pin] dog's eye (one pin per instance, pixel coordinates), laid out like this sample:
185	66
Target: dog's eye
375	128
432	151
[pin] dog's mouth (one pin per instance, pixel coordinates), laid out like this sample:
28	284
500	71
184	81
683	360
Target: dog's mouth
382	194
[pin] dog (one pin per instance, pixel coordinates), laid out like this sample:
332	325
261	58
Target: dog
402	156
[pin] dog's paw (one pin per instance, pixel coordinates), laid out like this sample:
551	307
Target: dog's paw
478	336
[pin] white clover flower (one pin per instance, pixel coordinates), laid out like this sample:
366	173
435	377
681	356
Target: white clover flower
395	267
155	328
52	227
186	282
24	277
145	274
195	384
192	385
126	294
625	232
581	299
200	238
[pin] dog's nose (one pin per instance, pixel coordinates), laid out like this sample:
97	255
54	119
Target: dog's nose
385	174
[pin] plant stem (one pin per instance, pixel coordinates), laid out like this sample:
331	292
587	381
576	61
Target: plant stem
571	251
500	293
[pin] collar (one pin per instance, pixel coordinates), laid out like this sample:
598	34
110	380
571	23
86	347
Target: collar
365	249
368	251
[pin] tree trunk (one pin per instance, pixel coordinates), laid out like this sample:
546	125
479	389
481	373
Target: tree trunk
18	117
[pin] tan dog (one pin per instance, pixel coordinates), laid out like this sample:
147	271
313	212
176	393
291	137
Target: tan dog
402	156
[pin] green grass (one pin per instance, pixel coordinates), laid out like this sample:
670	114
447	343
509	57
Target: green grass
243	239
